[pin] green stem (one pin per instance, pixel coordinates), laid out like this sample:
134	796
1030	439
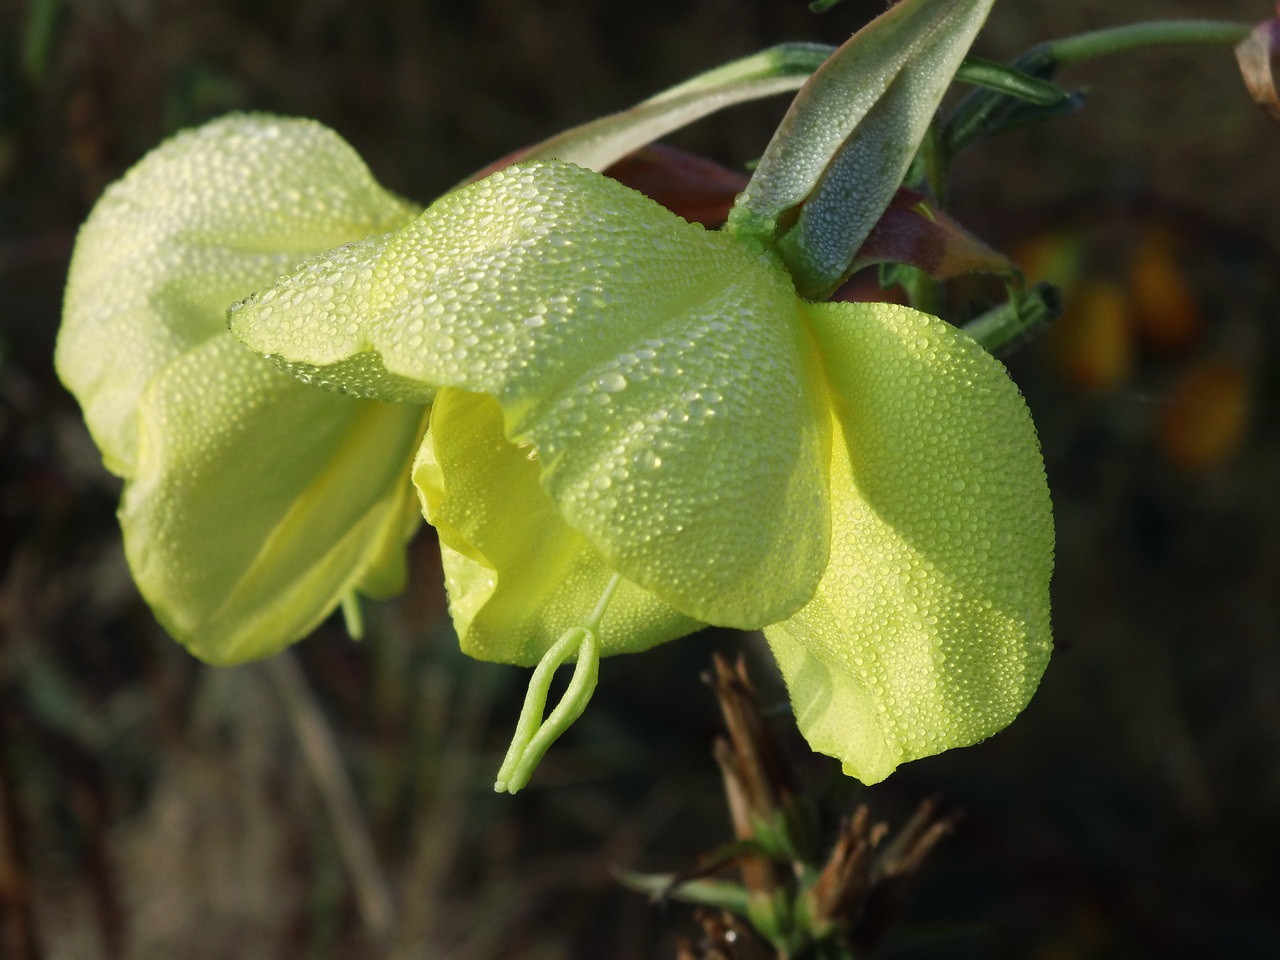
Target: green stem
1016	319
985	113
593	621
1136	36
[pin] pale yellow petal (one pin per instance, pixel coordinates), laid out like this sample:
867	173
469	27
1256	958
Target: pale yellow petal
518	576
930	629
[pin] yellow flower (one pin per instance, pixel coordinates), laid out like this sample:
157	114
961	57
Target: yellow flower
252	503
623	426
619	392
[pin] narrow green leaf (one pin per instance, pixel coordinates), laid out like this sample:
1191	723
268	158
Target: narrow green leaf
985	113
722	894
1016	320
1009	80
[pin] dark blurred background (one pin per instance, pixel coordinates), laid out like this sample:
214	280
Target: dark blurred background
151	807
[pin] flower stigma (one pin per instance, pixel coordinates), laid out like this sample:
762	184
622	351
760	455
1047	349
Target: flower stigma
534	735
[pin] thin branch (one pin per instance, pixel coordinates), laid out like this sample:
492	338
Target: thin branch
320	750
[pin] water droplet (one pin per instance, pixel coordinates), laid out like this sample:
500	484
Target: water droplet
612	382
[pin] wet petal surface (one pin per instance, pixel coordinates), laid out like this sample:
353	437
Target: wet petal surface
203	220
659	372
930	629
260	502
518	576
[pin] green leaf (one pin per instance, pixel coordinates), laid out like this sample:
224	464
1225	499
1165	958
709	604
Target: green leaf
851	133
200	222
260	502
599	143
1008	80
656	369
518	576
930	629
721	894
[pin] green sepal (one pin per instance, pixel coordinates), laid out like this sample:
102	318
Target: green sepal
850	136
601	142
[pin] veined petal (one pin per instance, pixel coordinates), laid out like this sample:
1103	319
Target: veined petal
518	575
930	629
659	372
259	502
200	222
